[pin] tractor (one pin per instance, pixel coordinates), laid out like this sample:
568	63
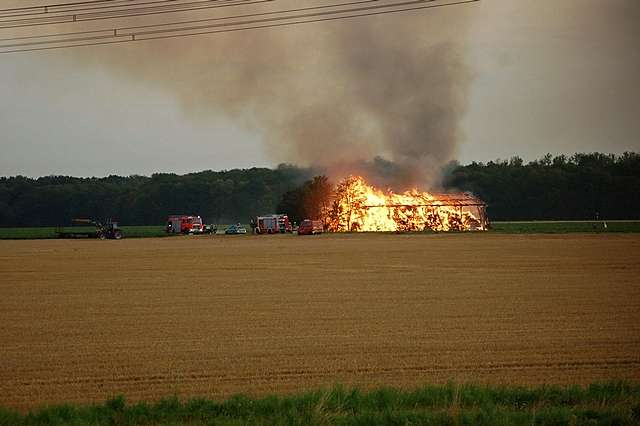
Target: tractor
89	228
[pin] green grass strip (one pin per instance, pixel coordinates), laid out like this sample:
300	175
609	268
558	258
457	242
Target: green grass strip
542	227
560	227
613	403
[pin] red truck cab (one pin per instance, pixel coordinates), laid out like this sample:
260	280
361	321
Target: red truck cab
184	224
273	224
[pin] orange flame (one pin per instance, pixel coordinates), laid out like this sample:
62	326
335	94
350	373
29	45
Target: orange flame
359	207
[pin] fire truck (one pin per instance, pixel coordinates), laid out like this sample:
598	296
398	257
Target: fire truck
273	224
180	224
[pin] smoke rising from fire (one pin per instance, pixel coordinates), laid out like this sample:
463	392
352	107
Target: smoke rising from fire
379	96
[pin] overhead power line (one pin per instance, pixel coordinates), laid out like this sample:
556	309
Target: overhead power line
49	19
181	24
78	7
150	32
17	11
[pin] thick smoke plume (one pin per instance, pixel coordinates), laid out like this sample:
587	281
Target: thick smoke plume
381	96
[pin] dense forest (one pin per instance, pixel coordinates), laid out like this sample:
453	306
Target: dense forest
577	187
220	197
583	186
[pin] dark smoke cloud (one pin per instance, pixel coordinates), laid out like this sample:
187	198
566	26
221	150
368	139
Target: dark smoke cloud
414	96
376	96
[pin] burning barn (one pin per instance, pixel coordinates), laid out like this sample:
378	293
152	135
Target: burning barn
359	207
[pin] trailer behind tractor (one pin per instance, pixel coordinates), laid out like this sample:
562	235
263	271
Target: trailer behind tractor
89	228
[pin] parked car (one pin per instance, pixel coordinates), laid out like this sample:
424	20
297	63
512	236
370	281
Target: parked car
235	229
310	227
210	229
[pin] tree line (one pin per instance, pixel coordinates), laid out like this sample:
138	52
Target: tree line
220	197
581	186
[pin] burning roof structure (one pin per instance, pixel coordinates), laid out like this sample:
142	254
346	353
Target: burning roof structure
359	207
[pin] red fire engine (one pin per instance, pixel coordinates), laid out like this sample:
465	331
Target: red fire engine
184	225
273	224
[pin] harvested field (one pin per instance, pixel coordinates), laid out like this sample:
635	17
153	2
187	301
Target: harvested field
83	320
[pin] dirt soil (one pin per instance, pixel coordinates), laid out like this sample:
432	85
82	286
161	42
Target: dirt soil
85	320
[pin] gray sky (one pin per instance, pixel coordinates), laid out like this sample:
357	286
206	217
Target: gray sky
543	76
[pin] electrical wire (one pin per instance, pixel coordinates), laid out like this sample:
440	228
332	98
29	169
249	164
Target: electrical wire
114	37
34	10
122	13
190	22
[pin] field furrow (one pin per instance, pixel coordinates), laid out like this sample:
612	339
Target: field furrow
212	316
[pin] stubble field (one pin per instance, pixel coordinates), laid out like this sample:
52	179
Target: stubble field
85	320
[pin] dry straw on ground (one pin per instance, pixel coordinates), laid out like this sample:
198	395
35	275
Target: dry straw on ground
211	316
